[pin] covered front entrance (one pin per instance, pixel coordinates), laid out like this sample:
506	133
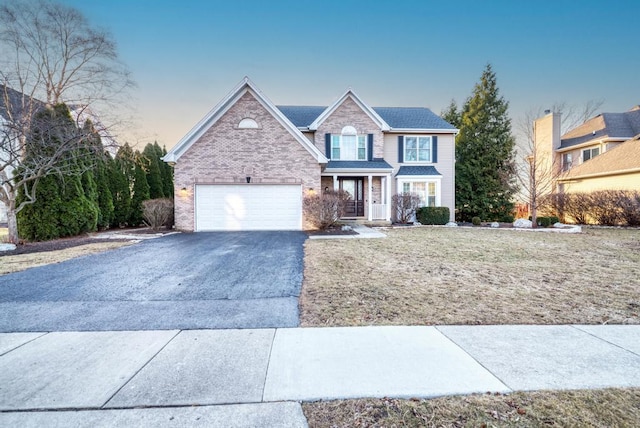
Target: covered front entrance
368	184
354	186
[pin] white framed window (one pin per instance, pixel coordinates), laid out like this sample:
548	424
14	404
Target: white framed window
248	123
348	147
418	149
427	189
566	161
590	153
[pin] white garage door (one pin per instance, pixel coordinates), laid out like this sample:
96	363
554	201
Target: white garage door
248	207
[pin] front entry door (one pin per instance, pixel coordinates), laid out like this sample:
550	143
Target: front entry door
355	188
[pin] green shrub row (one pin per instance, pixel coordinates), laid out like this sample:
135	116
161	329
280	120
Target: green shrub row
433	215
546	221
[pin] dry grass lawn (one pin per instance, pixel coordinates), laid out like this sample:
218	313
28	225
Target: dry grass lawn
15	263
592	408
436	275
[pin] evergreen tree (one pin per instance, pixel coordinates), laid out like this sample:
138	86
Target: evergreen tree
485	168
140	192
120	174
100	194
65	205
166	171
151	159
452	115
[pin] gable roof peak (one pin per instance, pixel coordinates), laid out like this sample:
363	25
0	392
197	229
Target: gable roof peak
245	86
350	93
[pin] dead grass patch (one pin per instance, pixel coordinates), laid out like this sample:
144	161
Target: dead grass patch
19	262
435	275
589	408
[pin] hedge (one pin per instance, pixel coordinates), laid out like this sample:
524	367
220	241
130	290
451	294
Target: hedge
433	215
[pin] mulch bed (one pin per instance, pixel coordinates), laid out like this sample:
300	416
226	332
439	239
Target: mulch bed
74	241
332	231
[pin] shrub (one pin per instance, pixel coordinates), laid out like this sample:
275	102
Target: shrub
324	210
158	213
405	205
433	215
476	221
543	221
629	204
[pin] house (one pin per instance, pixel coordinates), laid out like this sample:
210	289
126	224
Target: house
248	163
603	153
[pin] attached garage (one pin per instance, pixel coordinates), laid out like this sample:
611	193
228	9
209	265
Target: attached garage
248	207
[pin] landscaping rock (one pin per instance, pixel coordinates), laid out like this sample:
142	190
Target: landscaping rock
495	224
523	223
451	224
346	228
7	247
558	225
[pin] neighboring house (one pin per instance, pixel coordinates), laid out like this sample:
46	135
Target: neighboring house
248	163
602	153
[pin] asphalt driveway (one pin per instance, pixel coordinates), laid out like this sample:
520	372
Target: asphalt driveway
181	281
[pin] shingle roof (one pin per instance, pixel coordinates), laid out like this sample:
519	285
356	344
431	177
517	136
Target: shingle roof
612	125
396	117
623	157
301	116
412	118
15	102
374	164
418	170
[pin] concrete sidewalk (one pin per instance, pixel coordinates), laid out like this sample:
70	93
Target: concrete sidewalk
258	377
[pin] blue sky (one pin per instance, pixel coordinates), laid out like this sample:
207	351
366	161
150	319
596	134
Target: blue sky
186	55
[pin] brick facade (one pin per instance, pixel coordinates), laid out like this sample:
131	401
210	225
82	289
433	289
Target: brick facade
226	154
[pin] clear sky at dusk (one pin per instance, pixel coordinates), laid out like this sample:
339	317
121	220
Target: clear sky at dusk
186	55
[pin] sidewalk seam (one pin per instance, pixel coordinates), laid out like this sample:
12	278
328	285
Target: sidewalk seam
577	327
474	359
22	344
266	372
102	407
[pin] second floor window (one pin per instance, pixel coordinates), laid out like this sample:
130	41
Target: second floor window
349	147
566	161
590	153
417	149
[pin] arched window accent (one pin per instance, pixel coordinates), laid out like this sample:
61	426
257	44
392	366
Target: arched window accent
248	123
349	130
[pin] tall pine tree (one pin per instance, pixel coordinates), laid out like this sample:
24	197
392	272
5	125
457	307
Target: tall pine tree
151	159
166	172
485	168
140	192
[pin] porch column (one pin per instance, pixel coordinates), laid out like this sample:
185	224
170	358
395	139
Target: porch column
335	182
388	197
369	194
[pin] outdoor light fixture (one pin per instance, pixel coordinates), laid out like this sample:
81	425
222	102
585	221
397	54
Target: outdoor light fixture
184	189
248	179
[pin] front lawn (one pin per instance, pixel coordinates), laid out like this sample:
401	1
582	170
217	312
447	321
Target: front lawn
436	275
589	408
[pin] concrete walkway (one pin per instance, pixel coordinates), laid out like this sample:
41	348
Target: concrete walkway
258	377
362	232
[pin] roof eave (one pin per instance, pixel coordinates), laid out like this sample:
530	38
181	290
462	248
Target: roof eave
599	174
424	130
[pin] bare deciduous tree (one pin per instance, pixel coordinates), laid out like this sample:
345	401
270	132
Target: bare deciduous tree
540	166
49	54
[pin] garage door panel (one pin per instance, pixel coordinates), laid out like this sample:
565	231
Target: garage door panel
248	207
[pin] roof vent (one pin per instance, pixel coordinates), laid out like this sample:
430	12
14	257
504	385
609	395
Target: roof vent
547	111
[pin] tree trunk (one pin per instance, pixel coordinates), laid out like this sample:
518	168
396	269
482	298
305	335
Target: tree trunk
534	214
12	223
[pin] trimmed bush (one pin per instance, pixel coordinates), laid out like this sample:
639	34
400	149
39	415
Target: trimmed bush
324	210
476	221
405	205
433	215
158	213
